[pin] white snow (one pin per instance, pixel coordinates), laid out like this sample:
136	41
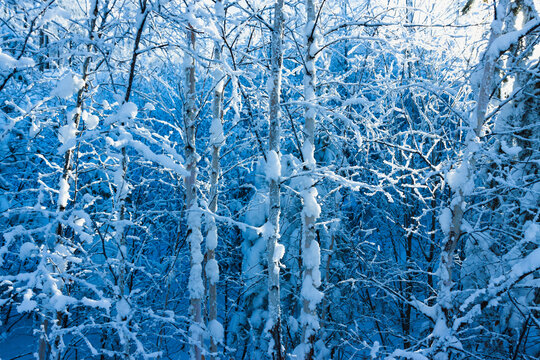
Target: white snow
510	150
215	330
67	86
458	177
127	111
212	271
310	293
279	251
27	250
123	309
273	166
445	219
27	304
61	301
196	286
532	232
211	239
307	153
91	121
7	62
216	133
312	256
68	132
63	192
399	353
104	304
149	107
57	14
311	207
374	349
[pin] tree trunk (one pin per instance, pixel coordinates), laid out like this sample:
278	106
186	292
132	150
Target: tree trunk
64	186
444	339
196	285
274	250
311	257
217	139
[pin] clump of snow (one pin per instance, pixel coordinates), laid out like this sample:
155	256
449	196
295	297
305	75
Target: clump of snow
212	271
399	353
374	349
459	179
195	285
68	85
127	111
211	239
7	62
91	121
25	62
68	132
510	150
216	133
57	14
149	107
105	304
60	301
293	324
310	292
532	232
216	331
311	207
273	166
27	304
279	251
445	219
307	153
123	309
27	250
63	192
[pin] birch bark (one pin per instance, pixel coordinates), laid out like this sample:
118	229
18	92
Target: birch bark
195	285
274	249
311	258
217	140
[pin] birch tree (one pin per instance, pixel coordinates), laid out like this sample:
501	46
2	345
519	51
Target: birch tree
275	251
461	181
217	139
311	257
196	285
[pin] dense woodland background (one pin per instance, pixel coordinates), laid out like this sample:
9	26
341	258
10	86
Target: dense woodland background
328	179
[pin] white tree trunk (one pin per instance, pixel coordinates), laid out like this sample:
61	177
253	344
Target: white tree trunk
196	285
311	258
275	250
217	139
